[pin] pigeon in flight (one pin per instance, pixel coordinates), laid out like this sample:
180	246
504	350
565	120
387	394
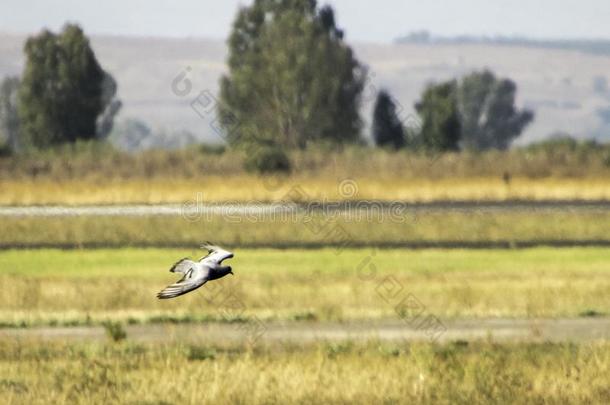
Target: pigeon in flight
196	274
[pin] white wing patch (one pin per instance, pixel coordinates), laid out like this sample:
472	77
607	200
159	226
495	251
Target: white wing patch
182	265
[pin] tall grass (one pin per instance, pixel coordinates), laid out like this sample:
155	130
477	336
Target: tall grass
94	173
94	160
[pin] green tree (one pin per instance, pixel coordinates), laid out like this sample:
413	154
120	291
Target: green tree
63	91
488	114
292	79
9	118
387	127
441	129
478	113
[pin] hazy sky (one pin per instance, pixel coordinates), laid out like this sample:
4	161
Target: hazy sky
363	20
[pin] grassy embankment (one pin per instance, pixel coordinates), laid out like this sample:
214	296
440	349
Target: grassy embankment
94	174
373	228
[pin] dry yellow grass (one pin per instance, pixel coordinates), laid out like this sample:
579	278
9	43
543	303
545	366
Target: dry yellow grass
94	174
248	188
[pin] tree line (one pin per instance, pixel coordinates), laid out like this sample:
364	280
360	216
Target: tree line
475	113
292	81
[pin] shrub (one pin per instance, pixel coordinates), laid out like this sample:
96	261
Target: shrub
267	159
200	353
5	150
212	149
115	331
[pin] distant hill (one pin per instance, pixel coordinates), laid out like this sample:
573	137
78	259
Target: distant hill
593	46
568	88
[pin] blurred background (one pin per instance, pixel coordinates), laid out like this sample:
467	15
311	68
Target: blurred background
411	189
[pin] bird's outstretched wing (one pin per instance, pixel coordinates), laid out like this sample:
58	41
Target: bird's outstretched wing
215	253
186	284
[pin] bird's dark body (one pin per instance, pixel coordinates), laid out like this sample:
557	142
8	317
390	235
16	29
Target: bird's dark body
220	272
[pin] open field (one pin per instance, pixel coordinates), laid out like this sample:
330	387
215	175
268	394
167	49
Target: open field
462	278
413	227
343	372
81	287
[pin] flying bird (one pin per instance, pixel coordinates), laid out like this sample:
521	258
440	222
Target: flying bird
196	274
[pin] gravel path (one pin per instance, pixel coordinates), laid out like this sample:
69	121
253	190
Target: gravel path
511	330
190	209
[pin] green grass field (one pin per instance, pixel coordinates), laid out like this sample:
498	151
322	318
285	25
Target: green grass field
361	373
55	287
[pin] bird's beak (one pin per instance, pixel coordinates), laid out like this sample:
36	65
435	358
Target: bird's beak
231	272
